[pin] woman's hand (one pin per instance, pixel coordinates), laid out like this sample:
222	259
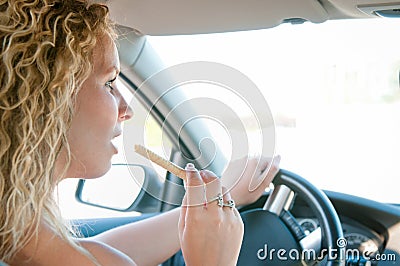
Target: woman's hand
247	178
209	234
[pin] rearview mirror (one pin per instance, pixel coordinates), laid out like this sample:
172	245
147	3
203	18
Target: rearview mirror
126	187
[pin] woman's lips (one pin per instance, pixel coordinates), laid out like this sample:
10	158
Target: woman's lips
114	142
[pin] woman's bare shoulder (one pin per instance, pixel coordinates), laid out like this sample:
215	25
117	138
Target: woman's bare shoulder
52	250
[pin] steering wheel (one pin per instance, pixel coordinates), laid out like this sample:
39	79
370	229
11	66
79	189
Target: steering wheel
273	237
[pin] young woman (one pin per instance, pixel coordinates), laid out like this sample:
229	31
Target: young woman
60	108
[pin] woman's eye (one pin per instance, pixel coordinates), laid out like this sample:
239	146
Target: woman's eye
109	85
110	82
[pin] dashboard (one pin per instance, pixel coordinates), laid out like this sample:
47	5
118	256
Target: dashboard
371	229
359	240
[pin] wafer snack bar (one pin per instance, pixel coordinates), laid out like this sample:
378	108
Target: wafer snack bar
157	159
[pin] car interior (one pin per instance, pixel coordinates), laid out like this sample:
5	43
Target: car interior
337	198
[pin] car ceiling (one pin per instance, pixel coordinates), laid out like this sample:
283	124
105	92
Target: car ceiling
172	17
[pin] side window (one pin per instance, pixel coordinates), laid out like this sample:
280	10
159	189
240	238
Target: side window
141	129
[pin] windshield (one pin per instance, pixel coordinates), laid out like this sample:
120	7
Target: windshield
333	89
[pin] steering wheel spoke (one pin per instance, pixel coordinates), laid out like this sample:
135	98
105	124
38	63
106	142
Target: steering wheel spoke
311	246
312	241
280	199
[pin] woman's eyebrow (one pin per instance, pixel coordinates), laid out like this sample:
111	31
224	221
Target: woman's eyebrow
114	69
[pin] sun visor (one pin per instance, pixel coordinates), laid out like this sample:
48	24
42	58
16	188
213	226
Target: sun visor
390	10
173	17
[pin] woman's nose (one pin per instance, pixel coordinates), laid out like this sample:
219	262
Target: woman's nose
125	111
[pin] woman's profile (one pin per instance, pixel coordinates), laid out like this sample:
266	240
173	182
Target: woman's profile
60	108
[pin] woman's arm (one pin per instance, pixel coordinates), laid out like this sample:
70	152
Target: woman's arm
147	242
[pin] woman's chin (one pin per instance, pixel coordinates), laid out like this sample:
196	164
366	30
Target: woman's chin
114	147
102	171
94	172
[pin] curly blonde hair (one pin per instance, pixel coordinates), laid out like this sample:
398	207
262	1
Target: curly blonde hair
46	55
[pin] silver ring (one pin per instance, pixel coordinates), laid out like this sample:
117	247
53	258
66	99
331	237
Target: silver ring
217	198
230	204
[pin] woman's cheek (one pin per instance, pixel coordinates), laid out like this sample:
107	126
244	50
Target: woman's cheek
109	108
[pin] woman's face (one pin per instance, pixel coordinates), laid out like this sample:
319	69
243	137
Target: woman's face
100	110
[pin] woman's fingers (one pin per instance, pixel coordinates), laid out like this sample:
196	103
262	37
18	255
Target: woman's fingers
271	168
182	215
273	165
228	201
204	189
268	168
194	187
212	185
